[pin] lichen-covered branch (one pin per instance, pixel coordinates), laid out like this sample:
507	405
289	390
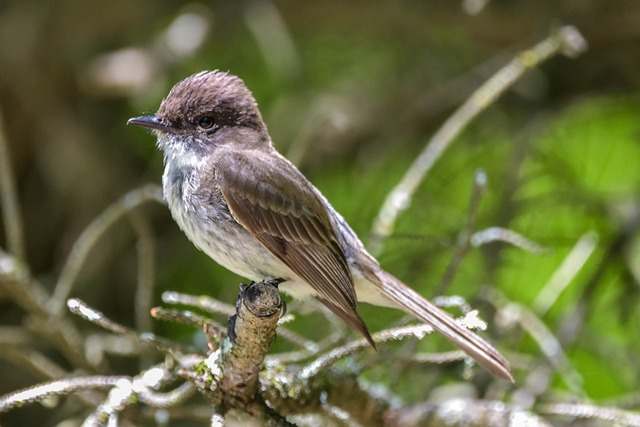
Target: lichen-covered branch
259	309
229	375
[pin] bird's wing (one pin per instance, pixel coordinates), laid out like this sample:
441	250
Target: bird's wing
280	208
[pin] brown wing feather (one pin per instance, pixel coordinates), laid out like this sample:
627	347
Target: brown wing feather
278	206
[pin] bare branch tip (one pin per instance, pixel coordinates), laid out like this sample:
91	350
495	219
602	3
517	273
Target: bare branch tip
572	41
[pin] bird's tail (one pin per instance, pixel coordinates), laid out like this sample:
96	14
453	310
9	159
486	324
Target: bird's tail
413	303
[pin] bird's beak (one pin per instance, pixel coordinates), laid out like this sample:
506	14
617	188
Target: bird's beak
150	122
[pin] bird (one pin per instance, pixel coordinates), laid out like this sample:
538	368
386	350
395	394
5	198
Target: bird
252	211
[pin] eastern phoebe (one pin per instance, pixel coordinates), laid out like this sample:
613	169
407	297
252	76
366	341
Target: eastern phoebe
252	211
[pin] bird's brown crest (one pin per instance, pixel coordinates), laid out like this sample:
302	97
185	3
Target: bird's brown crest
211	93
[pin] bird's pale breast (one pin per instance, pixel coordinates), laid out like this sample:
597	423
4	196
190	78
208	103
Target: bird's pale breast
205	218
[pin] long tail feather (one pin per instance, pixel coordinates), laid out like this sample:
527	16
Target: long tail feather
413	303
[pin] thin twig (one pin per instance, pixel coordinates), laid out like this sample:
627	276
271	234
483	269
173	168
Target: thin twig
78	307
499	234
298	340
336	412
310	349
90	236
566	40
213	305
577	410
273	38
9	200
142	388
185	317
204	302
548	343
54	388
171	398
145	249
15	336
562	277
35	362
464	239
326	360
436	358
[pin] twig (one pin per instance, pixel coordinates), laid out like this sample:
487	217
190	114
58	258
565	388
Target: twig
309	349
337	412
9	200
185	317
90	236
548	343
213	330
128	391
26	292
213	305
394	334
495	234
217	420
464	239
294	338
37	363
460	411
146	266
204	302
54	388
78	307
274	41
566	40
577	410
436	358
567	271
171	398
143	298
470	320
106	413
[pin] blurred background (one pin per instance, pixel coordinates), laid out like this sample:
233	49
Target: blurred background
351	92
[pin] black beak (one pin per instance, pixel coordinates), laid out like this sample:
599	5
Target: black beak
150	122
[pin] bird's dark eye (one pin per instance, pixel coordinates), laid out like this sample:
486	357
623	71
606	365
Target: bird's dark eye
206	122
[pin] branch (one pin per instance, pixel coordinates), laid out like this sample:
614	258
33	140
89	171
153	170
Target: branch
259	308
229	375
